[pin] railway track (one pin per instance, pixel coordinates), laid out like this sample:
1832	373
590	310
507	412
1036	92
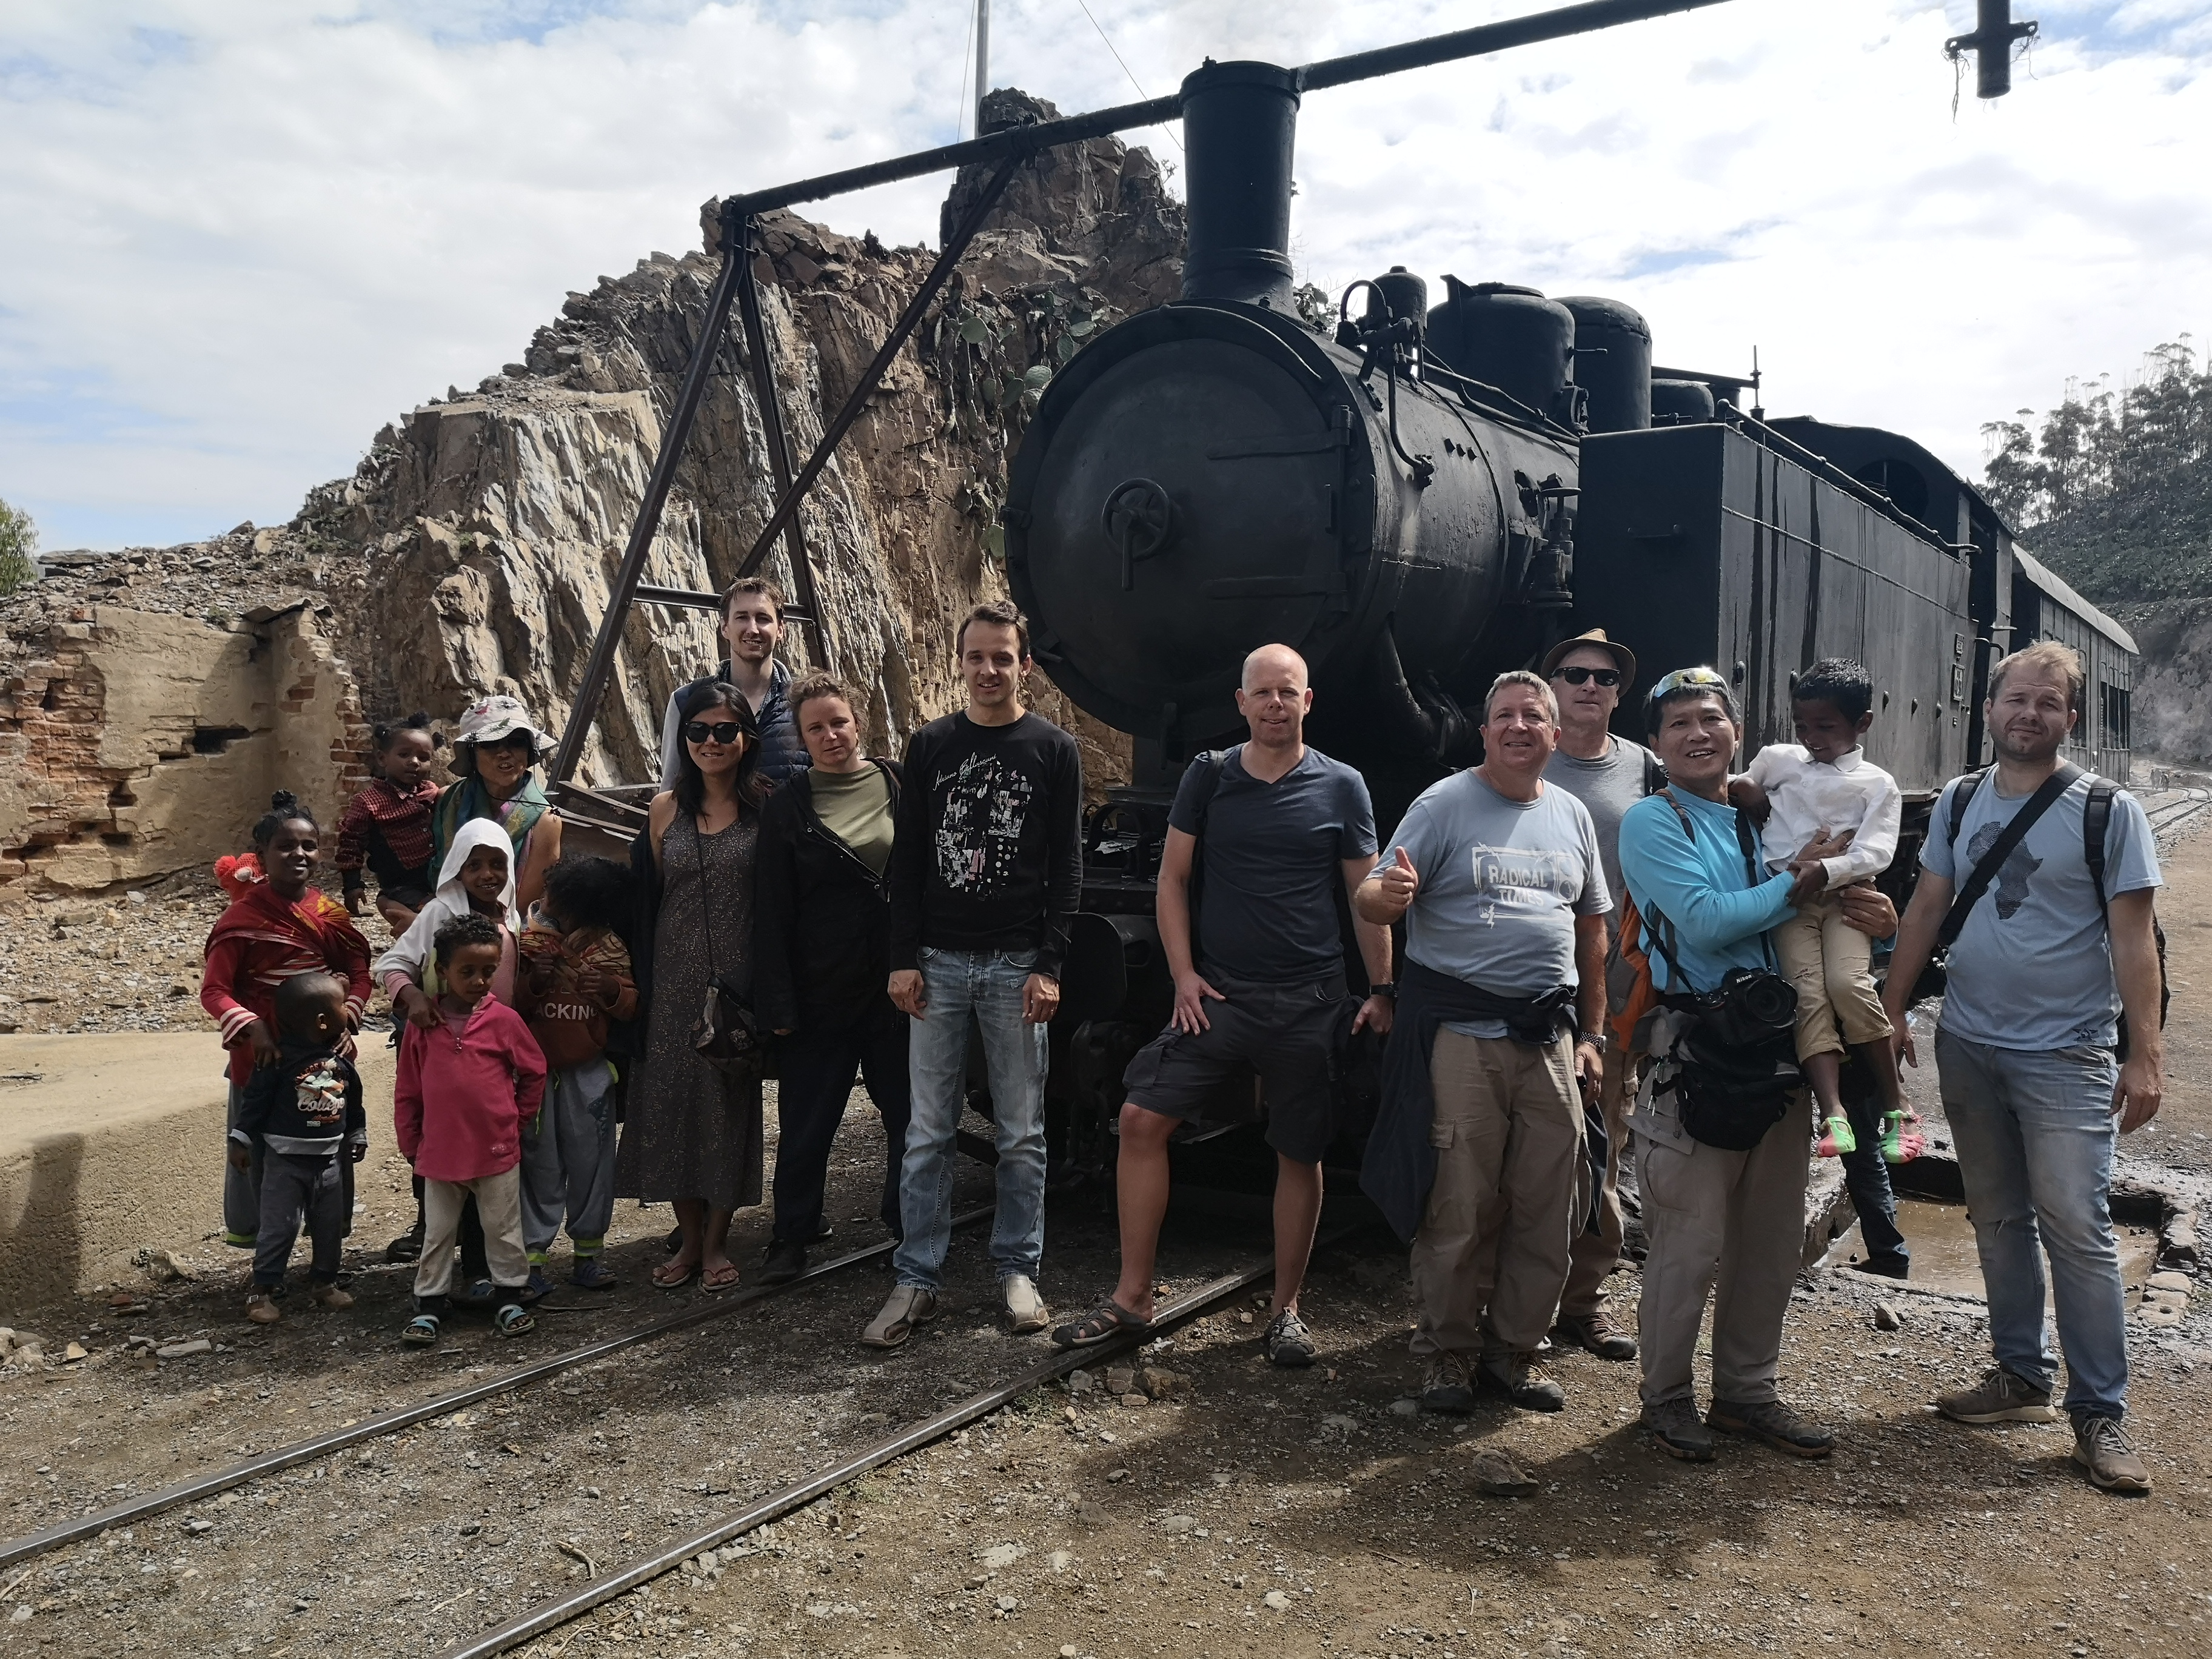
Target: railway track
551	1614
2175	812
34	1545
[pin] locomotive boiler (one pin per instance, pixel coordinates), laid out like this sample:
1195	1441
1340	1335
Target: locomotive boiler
1417	498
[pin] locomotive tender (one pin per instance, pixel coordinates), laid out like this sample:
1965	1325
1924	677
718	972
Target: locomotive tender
1430	495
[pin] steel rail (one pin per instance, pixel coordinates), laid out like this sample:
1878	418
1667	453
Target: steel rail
1329	72
909	318
551	1614
600	665
402	1417
761	364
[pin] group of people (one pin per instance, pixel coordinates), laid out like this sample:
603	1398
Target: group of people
1612	952
1609	953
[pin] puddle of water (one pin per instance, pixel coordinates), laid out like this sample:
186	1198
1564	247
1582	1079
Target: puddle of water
1944	1258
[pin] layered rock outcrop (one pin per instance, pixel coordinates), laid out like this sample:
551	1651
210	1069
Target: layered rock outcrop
472	549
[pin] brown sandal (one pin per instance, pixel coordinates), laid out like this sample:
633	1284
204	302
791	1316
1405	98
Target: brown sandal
683	1276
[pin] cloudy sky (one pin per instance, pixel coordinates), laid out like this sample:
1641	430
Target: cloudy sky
241	235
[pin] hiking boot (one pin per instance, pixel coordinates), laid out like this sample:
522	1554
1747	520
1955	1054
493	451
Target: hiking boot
1774	1422
261	1308
910	1306
2001	1397
330	1296
1595	1332
1287	1341
1446	1385
1026	1312
1680	1432
1516	1376
782	1261
2102	1448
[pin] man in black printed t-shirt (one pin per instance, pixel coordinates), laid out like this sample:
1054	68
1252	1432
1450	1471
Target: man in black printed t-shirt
1283	827
986	868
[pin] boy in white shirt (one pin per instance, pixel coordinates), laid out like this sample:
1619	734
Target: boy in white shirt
1824	783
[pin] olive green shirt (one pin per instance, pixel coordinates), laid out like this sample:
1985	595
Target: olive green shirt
856	808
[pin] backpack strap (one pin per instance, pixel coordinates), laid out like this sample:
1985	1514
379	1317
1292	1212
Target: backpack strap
2096	821
1209	764
1654	776
1985	872
1962	797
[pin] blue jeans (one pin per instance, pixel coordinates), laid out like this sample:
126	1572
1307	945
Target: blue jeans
2035	1134
961	985
1866	1177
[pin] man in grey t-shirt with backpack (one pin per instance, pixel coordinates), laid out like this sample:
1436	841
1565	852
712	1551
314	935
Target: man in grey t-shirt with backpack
2040	879
1281	830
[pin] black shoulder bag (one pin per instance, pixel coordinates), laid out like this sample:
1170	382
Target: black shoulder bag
1736	1063
726	1034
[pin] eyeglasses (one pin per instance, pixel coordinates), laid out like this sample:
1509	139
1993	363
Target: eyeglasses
1605	677
1688	679
725	733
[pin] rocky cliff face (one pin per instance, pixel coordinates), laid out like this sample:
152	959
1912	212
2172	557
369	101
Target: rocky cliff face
2172	701
472	549
490	524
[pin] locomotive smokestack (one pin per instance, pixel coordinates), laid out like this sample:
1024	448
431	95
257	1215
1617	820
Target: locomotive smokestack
1239	124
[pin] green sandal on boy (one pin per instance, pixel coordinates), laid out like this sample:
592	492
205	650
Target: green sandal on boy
1837	1138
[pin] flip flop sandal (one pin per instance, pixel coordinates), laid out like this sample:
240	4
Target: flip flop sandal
511	1321
1109	1320
722	1279
421	1332
662	1282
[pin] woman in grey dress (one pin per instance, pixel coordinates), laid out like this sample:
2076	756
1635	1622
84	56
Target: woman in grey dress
693	1134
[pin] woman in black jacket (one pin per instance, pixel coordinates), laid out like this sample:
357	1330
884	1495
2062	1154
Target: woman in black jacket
822	961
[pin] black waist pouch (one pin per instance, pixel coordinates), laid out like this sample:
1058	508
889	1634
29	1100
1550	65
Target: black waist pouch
1736	1063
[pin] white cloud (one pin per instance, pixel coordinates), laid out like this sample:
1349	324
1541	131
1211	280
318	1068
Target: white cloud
242	233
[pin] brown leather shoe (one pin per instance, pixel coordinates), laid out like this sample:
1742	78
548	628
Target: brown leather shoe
1597	1332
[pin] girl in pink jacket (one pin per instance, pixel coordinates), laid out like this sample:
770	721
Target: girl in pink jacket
466	1087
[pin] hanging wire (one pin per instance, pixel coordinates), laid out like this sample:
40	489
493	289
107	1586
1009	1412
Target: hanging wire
1127	70
967	58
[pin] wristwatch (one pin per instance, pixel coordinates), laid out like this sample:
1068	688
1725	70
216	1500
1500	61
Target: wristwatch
1383	991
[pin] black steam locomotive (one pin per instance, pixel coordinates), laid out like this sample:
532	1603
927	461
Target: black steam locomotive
1425	496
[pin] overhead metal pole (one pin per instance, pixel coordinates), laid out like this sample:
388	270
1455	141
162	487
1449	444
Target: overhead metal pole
786	508
1994	37
1558	25
600	664
779	454
982	59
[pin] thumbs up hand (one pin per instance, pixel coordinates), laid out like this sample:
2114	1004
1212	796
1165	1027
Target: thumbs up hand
1398	882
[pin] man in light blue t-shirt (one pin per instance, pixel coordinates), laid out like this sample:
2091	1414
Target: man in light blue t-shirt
2025	1052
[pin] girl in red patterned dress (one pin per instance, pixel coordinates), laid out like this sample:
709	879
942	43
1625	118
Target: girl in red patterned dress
279	924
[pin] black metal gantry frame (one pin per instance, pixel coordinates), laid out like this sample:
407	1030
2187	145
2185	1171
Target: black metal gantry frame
1009	147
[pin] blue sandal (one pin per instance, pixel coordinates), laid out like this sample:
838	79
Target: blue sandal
421	1331
511	1321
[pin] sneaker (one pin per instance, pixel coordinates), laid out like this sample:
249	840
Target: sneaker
330	1296
1516	1377
1287	1341
261	1308
1680	1432
2101	1446
1774	1422
910	1306
590	1273
2000	1397
1447	1386
1025	1310
782	1261
1595	1332
1836	1138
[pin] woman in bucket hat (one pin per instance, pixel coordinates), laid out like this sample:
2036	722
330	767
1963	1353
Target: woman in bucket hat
495	756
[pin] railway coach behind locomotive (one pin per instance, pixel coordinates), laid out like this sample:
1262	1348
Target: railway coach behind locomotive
1426	497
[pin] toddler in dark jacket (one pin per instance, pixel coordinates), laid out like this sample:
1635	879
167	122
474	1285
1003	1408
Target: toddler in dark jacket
304	1114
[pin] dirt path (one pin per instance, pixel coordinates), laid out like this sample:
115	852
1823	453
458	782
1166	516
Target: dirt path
1255	1512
